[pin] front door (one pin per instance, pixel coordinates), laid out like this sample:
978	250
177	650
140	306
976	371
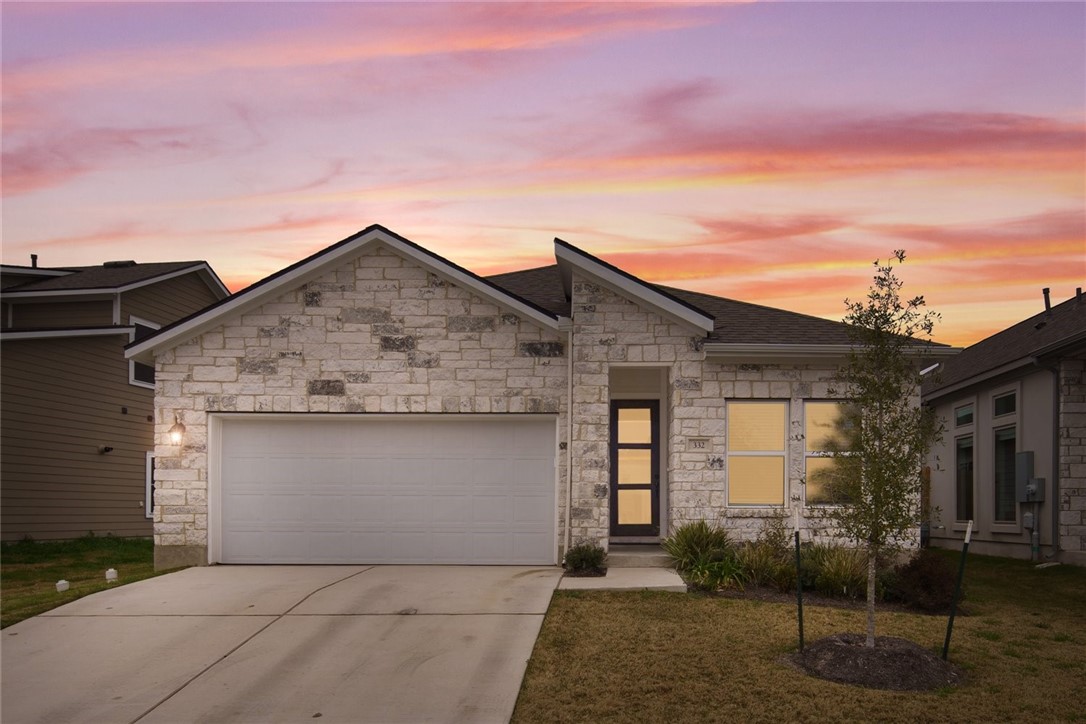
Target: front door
635	468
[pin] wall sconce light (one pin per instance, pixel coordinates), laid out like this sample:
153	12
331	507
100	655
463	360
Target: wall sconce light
177	432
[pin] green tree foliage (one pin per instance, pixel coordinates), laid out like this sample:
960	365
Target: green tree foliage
884	435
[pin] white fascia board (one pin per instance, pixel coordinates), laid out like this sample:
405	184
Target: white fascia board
210	278
63	294
255	296
978	379
34	271
633	288
95	292
245	300
62	333
801	353
460	279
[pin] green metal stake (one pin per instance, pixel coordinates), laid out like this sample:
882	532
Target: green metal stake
799	593
957	590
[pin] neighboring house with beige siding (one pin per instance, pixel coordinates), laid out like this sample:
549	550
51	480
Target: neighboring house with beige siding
76	417
1013	457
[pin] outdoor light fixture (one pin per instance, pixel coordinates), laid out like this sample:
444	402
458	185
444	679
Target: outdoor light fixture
177	432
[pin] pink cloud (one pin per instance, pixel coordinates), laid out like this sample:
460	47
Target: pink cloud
53	160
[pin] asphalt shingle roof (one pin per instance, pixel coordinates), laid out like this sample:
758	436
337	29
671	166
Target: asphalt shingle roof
736	322
1065	324
102	277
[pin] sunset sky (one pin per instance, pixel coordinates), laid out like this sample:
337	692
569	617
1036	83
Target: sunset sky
767	152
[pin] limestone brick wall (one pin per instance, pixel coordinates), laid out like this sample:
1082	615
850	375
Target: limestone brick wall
698	488
1073	459
609	329
378	334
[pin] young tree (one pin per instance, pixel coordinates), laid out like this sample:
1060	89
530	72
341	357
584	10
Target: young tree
884	435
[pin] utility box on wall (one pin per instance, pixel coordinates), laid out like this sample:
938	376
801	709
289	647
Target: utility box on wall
1027	488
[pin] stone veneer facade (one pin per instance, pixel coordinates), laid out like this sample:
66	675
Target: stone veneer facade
382	335
1072	445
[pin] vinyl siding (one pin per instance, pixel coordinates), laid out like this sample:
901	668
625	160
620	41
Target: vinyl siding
167	301
32	315
55	483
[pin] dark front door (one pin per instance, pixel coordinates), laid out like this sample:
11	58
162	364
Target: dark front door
635	468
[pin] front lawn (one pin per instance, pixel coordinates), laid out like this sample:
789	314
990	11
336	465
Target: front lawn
29	571
664	657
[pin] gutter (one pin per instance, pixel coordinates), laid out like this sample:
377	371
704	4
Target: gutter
765	353
569	434
1054	369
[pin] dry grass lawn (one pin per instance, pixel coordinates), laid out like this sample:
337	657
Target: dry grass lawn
658	657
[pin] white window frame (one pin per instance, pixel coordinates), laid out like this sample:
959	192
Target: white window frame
783	453
133	321
1005	421
807	454
149	485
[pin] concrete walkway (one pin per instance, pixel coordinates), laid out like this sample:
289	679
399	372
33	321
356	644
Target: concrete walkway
283	643
626	579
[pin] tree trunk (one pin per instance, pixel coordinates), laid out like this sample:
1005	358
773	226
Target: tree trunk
872	552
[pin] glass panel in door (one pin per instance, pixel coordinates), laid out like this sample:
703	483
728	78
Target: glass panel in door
635	468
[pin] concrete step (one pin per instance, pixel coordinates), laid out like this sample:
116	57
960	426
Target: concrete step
637	556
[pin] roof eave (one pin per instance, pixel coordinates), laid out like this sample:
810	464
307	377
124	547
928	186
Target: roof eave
293	277
768	353
570	257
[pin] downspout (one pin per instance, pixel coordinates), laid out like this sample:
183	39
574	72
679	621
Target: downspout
1054	500
569	439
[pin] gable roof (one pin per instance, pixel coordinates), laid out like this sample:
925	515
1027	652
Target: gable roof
1045	334
313	266
111	277
734	321
570	257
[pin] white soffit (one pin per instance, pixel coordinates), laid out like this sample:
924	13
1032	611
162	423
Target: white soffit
570	257
311	268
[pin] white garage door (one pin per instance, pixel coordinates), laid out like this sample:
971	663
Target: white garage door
400	489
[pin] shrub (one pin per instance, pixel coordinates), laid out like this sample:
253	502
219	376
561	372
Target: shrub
764	565
715	575
841	571
925	582
696	544
585	558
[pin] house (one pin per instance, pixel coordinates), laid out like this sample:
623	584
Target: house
377	403
76	424
1013	458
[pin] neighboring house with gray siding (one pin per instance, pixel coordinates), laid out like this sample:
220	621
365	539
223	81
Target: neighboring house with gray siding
1014	406
76	416
377	403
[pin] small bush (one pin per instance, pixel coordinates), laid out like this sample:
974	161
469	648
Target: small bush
585	558
842	572
926	582
716	575
765	565
697	544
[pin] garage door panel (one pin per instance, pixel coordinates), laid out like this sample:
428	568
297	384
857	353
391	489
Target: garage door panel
459	489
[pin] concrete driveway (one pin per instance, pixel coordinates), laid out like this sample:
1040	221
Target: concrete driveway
283	643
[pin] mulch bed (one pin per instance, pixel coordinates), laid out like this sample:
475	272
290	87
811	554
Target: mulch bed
894	663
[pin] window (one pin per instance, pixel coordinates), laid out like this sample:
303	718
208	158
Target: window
822	425
1004	475
139	373
756	452
963	415
963	478
1004	405
149	486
